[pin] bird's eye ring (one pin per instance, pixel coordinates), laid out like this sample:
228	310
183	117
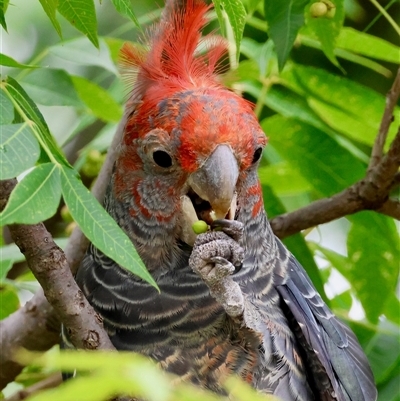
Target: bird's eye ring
162	158
257	155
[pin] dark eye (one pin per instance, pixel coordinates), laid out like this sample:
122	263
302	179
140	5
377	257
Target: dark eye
162	159
257	155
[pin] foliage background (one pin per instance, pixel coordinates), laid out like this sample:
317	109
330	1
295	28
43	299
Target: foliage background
321	113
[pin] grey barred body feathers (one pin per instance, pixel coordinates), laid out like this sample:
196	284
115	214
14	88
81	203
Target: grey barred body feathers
234	300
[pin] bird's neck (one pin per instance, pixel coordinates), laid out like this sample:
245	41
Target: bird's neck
155	240
258	240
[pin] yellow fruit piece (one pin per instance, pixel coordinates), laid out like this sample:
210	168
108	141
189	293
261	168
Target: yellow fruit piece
318	9
200	227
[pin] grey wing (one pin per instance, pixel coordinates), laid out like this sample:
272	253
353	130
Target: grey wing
330	346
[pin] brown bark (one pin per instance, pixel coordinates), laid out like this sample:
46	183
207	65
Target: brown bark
36	325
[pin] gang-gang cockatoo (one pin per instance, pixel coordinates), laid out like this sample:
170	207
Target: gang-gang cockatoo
233	300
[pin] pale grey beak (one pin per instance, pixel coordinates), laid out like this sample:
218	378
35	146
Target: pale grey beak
215	181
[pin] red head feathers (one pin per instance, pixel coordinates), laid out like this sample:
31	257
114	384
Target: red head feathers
173	62
178	90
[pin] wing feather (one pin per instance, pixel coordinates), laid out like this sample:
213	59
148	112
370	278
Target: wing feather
330	340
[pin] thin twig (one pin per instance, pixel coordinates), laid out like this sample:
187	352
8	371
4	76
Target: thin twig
390	208
49	382
389	19
387	118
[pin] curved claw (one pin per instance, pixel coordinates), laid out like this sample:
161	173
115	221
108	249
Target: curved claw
233	228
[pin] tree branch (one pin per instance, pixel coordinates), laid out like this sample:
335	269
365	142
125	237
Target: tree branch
35	326
34	317
371	193
390	208
50	267
391	101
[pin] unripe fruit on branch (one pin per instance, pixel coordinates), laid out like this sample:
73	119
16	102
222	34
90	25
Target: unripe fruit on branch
331	13
318	9
94	161
323	9
66	215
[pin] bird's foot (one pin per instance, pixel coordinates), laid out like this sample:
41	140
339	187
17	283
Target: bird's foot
215	257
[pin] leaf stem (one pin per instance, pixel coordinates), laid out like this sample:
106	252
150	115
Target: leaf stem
232	50
260	100
386	15
30	123
35	61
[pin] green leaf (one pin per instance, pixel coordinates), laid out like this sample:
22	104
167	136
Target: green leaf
392	308
35	198
327	29
389	389
6	109
114	46
261	55
358	118
285	18
99	227
81	52
292	105
295	243
111	373
124	7
351	125
51	87
82	15
284	179
319	158
11	254
101	104
10	62
237	17
19	150
342	302
218	11
29	108
252	5
368	45
107	374
9	301
347	55
3	9
101	143
383	352
5	267
50	7
338	261
374	254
